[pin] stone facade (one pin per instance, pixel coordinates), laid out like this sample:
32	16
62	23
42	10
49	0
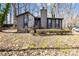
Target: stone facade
44	18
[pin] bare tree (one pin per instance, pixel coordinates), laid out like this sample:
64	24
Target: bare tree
44	5
67	11
53	10
14	10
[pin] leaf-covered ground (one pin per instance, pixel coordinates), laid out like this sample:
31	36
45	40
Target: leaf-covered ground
13	43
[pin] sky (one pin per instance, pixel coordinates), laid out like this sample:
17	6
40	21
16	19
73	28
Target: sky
36	8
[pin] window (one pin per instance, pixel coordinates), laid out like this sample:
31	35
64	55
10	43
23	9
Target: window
49	23
56	23
53	23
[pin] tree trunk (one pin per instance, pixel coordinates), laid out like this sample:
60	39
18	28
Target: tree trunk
0	29
14	7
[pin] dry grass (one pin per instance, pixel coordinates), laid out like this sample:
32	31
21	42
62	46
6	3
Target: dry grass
20	40
24	41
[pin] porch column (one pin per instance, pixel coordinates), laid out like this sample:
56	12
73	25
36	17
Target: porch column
61	24
55	23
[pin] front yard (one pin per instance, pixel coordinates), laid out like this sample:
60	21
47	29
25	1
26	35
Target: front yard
28	44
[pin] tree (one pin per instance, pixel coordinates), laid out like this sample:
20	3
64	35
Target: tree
53	10
14	10
3	14
0	6
66	11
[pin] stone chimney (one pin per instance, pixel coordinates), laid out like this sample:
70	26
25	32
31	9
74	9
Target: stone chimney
44	18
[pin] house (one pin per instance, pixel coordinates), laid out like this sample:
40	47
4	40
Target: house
24	21
27	20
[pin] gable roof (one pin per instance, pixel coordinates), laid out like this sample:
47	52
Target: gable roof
25	14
